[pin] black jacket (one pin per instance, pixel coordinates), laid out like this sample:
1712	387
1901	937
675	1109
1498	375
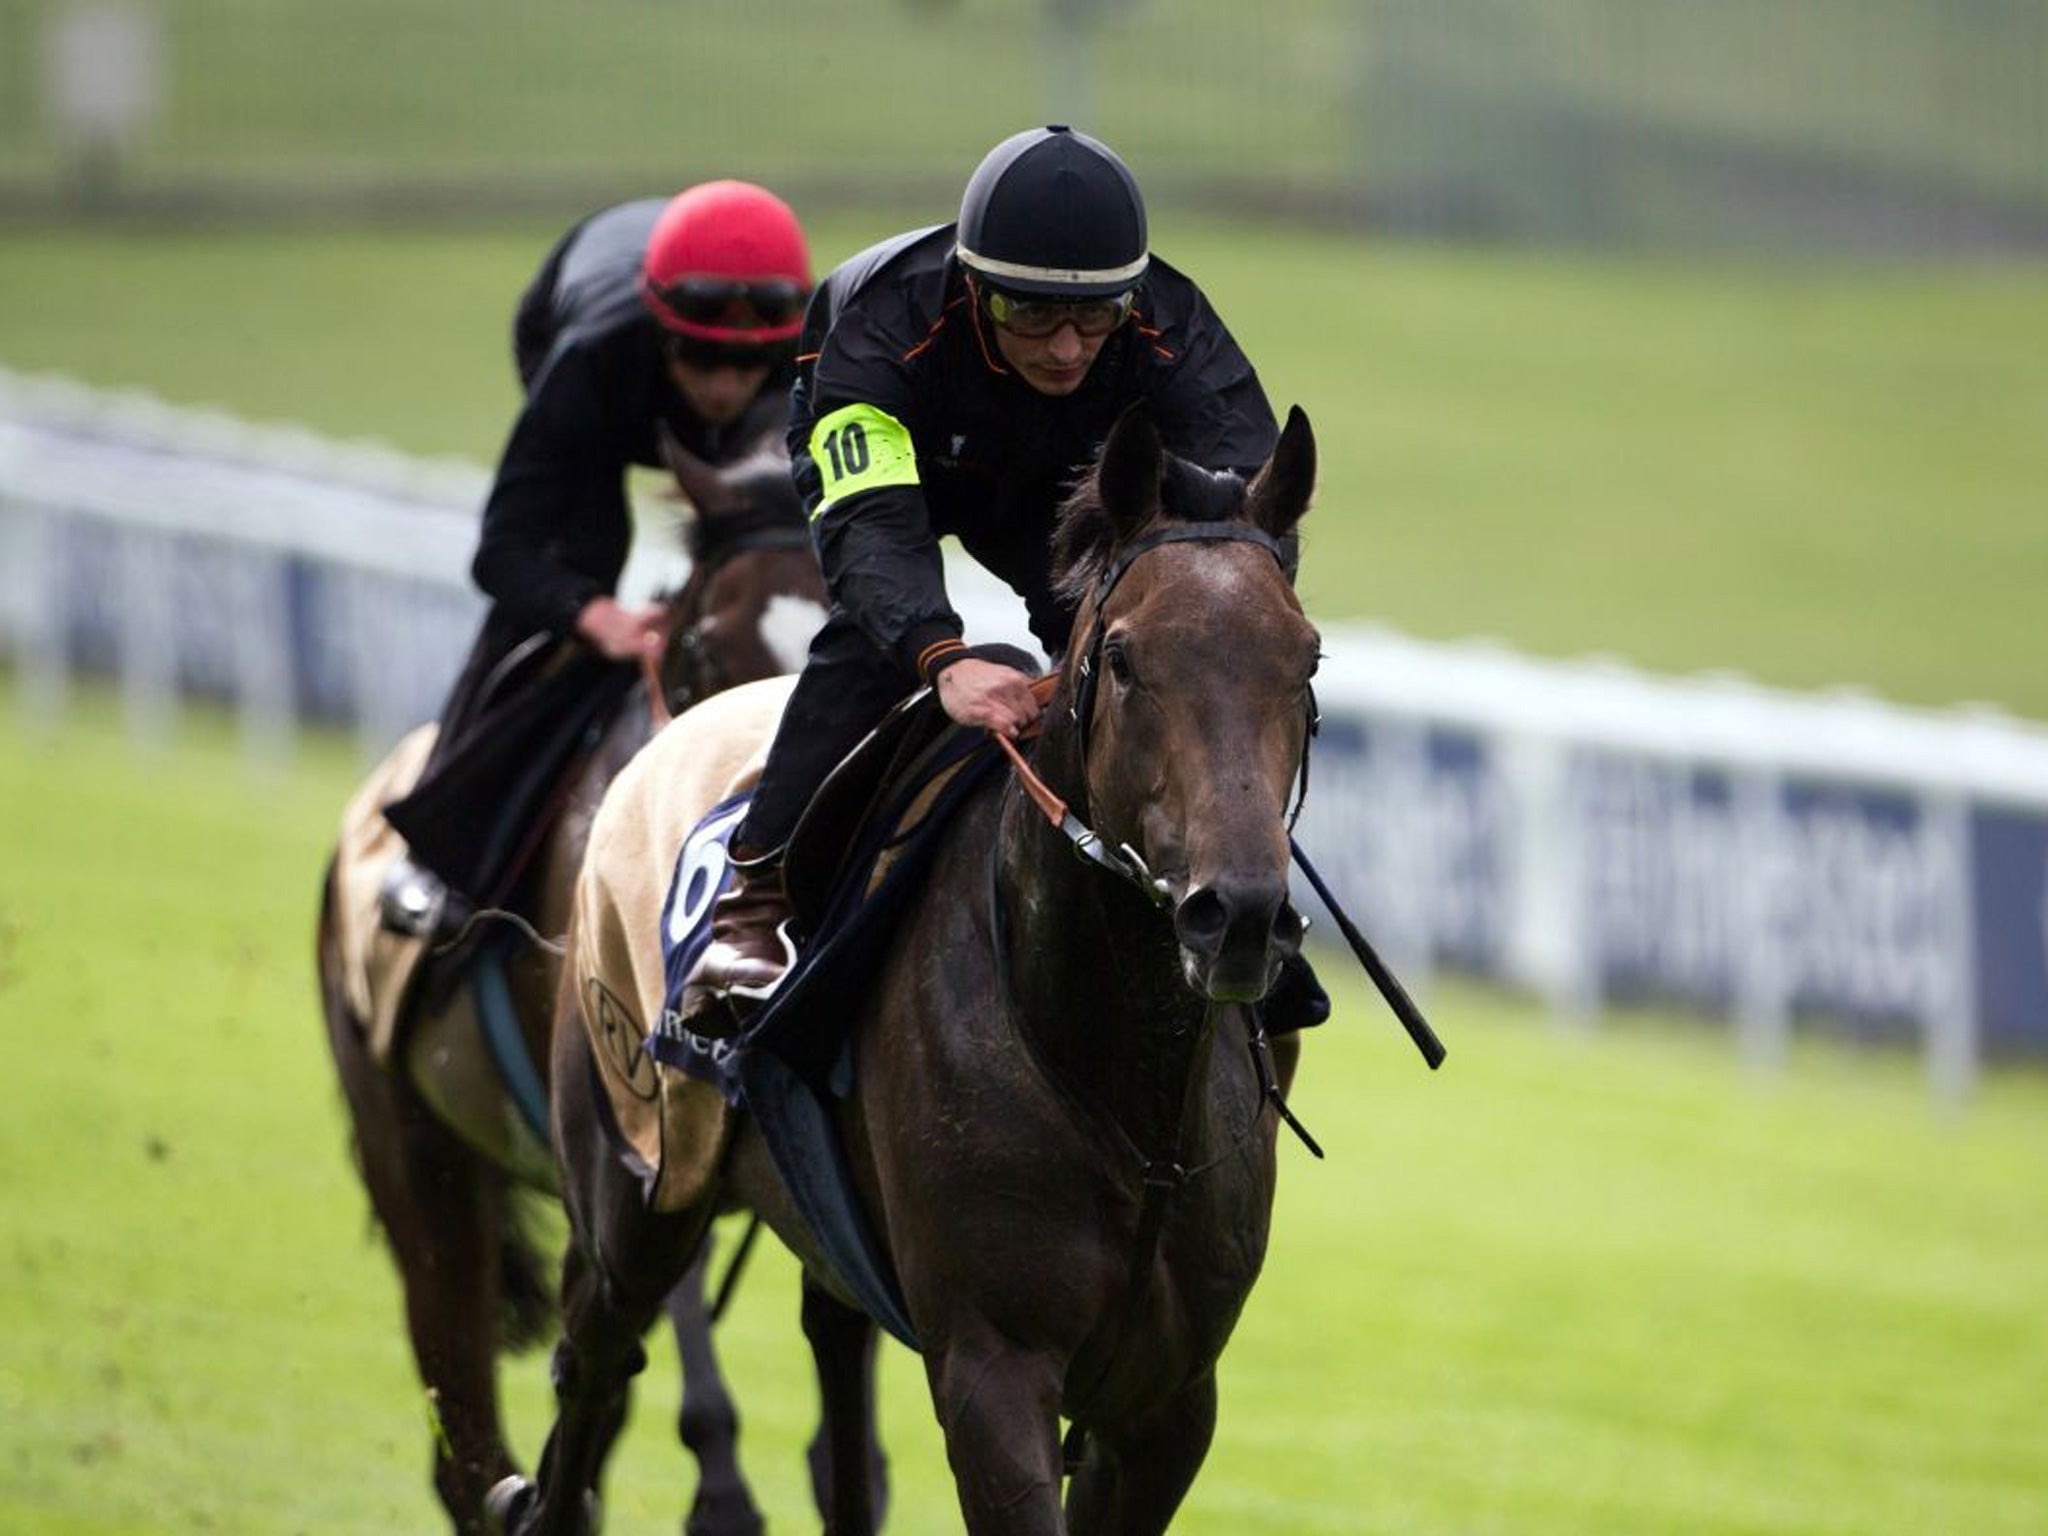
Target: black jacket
894	352
556	529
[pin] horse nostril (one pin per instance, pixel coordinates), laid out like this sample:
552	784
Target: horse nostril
1288	927
1201	920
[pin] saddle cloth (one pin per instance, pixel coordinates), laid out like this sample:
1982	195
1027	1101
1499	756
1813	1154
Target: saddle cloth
658	845
669	1127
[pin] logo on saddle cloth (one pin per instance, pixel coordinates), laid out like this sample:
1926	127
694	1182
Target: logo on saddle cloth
703	871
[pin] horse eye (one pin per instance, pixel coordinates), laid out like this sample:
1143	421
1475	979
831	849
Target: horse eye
1119	664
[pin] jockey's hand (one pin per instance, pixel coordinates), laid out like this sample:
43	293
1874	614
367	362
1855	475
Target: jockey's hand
619	633
986	693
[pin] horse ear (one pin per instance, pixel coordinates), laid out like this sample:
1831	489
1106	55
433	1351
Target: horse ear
1281	490
1128	474
698	480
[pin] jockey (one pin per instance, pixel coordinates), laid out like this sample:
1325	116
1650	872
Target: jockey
680	316
956	380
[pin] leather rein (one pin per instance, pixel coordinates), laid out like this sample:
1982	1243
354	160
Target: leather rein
1125	860
713	543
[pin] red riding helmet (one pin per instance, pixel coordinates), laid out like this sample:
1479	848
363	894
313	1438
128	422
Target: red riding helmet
726	266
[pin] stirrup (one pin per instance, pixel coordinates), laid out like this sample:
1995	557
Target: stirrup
416	902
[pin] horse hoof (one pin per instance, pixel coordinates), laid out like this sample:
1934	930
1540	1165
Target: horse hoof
511	1500
731	1515
507	1501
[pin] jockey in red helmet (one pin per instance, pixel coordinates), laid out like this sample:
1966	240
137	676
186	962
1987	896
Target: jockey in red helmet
726	270
678	316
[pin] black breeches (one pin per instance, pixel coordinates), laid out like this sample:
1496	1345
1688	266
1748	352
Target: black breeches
846	688
525	709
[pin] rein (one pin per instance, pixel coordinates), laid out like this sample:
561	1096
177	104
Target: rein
712	543
1122	860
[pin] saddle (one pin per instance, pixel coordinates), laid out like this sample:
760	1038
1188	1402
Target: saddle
900	763
908	750
856	851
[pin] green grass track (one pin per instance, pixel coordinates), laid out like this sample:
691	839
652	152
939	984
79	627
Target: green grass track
1566	1286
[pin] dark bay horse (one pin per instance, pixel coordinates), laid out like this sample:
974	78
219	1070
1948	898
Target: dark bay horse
1057	1126
442	1146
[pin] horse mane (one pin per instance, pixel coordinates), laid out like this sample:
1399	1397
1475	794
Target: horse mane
1086	535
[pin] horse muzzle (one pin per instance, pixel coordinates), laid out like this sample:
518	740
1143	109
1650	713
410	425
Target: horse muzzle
1234	937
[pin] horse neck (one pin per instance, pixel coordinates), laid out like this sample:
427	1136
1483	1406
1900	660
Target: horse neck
1094	981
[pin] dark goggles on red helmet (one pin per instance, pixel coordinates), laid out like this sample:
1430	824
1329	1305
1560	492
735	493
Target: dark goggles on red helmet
731	310
1035	318
744	355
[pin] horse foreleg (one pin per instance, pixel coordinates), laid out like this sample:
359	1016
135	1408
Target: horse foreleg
622	1262
1137	1474
593	1370
849	1474
709	1423
442	1210
998	1406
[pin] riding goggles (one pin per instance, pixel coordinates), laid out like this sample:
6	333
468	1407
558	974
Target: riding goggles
724	309
756	352
1038	318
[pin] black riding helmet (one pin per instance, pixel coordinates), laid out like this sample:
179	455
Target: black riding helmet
1055	214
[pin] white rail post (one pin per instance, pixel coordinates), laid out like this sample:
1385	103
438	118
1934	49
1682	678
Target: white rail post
1763	1003
148	635
30	572
1952	1053
263	655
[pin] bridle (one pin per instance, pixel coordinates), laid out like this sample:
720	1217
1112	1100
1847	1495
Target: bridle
1122	859
713	543
1125	861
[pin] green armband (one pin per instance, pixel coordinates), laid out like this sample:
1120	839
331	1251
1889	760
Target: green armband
859	448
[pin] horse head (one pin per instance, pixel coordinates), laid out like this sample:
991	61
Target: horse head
1189	687
755	594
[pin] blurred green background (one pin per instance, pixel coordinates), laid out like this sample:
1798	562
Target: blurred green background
1748	369
1912	123
1708	335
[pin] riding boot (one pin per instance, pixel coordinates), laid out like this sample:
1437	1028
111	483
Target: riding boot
749	953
